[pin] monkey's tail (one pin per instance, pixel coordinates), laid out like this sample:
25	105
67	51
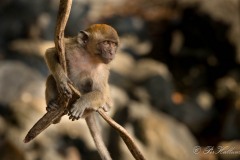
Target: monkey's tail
96	134
124	134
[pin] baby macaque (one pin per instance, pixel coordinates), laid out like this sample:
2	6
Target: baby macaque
88	56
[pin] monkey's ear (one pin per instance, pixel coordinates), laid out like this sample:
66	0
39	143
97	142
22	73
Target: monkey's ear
83	37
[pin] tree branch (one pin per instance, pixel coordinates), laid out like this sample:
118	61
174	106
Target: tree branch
63	14
124	134
52	116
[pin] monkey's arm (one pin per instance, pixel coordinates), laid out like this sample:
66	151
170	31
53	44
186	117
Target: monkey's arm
109	101
92	100
58	73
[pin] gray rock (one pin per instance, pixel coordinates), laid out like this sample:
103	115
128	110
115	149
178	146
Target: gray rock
19	82
158	135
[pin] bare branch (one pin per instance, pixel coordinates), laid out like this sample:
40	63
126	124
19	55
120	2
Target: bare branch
44	122
124	134
63	14
52	116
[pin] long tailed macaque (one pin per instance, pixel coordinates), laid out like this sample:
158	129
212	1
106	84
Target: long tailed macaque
88	56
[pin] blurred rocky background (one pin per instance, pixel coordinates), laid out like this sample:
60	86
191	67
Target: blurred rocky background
175	81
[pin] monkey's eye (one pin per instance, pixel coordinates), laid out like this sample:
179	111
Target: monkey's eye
105	42
114	44
109	43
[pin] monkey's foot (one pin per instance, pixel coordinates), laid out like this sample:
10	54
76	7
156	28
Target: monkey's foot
106	108
52	106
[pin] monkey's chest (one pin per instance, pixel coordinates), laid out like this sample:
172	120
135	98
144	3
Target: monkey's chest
86	85
84	81
84	73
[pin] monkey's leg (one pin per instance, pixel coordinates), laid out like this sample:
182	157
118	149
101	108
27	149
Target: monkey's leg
60	79
51	95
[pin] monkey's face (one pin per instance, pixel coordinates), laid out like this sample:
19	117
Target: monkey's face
101	40
107	50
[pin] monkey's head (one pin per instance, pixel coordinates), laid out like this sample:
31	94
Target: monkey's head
101	40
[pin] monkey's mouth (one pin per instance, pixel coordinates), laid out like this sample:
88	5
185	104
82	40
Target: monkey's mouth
107	60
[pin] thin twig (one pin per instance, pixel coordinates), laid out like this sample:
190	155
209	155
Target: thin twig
124	134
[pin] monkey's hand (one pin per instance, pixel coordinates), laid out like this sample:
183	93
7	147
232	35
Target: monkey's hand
64	88
91	101
81	109
78	108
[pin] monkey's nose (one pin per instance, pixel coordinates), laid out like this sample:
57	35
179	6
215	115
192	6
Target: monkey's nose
110	52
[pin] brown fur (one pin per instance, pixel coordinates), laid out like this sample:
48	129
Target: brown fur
87	56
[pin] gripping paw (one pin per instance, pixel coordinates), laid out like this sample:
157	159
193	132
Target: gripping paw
77	110
52	106
64	88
